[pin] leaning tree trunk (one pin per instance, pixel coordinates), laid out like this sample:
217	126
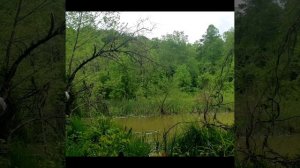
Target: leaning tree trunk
162	108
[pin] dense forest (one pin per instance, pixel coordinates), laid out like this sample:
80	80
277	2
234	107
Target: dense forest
116	77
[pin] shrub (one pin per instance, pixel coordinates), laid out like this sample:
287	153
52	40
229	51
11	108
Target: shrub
103	138
203	141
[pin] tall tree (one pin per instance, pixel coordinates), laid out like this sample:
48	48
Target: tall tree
211	46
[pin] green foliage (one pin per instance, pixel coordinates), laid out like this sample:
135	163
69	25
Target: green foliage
211	48
150	105
121	83
130	80
138	146
204	141
134	107
183	78
102	138
160	81
204	80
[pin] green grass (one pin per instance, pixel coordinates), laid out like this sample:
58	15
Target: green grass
140	130
203	141
177	102
138	146
102	138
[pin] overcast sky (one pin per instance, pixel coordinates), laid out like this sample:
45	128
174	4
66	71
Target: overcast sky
194	24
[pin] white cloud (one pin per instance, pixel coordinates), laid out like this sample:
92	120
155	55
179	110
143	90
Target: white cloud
194	24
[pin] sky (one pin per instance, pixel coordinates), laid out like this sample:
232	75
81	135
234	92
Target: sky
194	24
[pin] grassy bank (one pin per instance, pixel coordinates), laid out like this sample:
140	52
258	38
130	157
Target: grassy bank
102	136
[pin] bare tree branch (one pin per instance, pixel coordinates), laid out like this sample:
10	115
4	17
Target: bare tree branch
12	36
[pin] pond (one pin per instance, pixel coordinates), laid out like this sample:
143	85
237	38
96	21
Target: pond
158	124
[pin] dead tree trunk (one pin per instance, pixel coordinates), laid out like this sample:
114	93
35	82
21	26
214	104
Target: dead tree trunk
162	108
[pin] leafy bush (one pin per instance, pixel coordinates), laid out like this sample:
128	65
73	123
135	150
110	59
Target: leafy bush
137	147
203	141
183	78
133	107
103	138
